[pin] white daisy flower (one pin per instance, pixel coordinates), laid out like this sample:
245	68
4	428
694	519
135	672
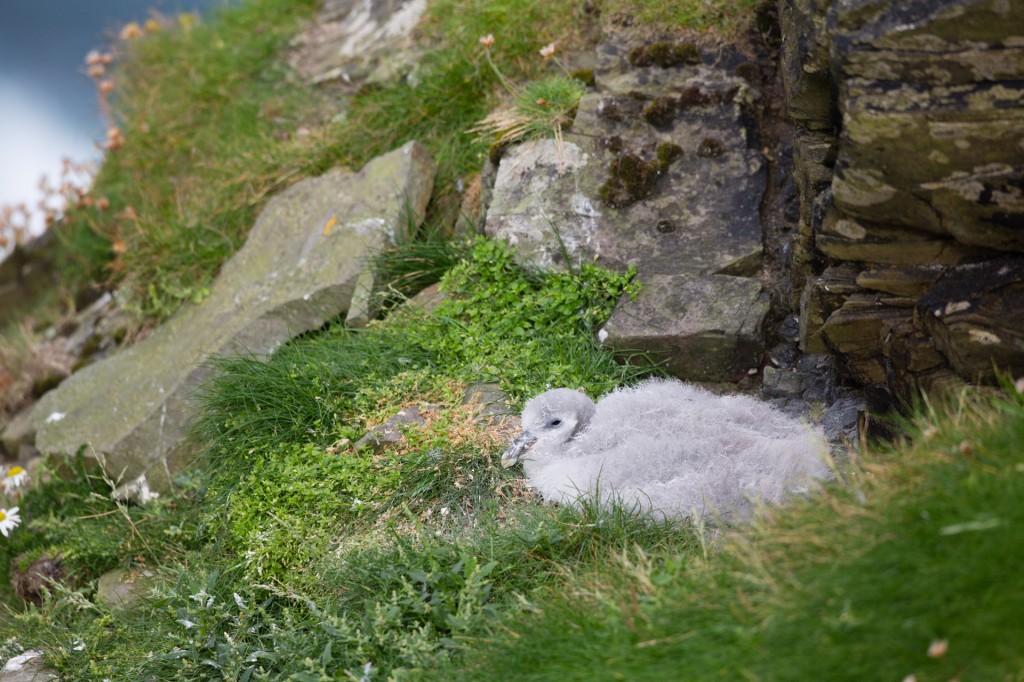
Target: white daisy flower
9	520
15	477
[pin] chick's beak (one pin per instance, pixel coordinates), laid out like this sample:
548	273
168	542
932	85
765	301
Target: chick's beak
516	450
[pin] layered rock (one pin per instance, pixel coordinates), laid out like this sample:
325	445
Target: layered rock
662	172
302	264
910	131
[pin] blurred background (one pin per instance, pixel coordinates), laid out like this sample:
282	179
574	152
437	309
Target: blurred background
48	105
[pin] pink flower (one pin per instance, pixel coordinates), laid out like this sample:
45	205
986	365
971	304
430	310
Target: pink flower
487	40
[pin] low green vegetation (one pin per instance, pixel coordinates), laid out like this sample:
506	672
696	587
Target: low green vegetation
291	554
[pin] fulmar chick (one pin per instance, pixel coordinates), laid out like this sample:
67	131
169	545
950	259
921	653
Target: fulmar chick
667	446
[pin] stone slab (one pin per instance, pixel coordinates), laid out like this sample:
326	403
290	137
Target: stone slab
119	589
298	269
699	328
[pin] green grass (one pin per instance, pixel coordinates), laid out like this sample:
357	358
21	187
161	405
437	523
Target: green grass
209	115
290	555
919	546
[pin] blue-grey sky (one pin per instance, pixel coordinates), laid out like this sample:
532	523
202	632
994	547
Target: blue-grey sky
48	106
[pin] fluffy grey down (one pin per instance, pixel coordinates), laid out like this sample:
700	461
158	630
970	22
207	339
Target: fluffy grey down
667	446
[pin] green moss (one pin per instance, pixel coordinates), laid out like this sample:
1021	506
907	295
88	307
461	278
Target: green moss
668	152
585	76
693	97
660	112
664	54
496	151
633	178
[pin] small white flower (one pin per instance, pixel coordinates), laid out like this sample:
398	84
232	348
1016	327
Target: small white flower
548	51
487	40
15	478
9	520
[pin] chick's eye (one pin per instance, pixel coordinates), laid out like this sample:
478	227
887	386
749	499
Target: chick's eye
554	422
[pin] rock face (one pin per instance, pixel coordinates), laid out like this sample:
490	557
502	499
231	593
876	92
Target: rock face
909	161
661	171
301	265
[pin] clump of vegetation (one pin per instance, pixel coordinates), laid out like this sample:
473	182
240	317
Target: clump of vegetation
693	96
661	112
542	108
289	554
633	178
72	521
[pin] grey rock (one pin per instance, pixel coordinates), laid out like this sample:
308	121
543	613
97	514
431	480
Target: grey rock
491	402
841	423
699	328
299	268
352	41
26	667
120	589
390	432
700	217
782	383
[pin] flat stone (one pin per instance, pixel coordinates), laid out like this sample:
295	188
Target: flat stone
699	328
491	402
26	667
820	298
120	589
847	238
299	268
352	41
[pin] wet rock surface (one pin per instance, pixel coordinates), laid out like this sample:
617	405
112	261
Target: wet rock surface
302	264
